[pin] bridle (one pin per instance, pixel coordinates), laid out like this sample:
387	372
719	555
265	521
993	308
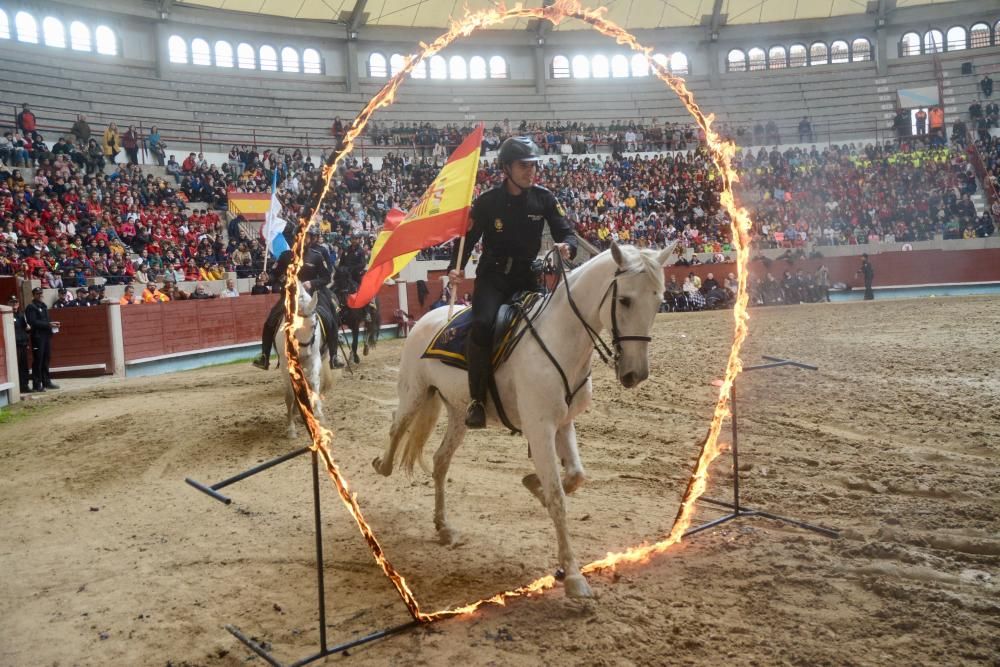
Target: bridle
609	354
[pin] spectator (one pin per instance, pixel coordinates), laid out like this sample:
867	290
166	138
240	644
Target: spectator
201	293
157	147
41	330
152	294
230	291
81	130
260	286
805	130
129	298
26	121
130	142
112	143
986	85
921	118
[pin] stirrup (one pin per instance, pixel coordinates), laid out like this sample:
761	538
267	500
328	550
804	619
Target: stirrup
475	416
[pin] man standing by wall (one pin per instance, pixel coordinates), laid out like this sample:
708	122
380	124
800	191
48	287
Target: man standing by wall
37	314
868	273
21	339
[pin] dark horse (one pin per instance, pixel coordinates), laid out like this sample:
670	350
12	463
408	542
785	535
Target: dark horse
353	318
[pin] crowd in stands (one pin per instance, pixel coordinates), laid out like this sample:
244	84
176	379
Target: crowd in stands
84	217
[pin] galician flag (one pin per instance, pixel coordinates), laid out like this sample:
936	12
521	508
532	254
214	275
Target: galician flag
274	225
441	214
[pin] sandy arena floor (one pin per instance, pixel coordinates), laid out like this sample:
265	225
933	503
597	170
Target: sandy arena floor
108	558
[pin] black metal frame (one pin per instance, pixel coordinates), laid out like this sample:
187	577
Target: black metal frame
324	648
738	510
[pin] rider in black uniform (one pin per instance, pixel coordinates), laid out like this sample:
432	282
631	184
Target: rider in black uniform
509	219
315	276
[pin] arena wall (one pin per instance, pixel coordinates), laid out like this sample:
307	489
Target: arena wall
83	345
8	385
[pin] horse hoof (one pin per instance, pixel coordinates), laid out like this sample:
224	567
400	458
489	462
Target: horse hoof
290	432
365	351
572	482
533	484
377	464
577	587
449	537
355	358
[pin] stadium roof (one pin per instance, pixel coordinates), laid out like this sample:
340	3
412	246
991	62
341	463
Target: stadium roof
633	14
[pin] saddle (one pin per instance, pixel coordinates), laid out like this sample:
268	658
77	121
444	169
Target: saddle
448	344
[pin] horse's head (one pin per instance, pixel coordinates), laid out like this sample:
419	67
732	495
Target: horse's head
630	305
304	323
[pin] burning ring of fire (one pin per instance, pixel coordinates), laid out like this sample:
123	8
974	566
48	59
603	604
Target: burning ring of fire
721	152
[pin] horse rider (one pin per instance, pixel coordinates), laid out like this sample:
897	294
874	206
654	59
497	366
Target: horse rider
354	258
509	220
315	276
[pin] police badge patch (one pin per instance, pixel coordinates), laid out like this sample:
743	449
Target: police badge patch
559	210
498	225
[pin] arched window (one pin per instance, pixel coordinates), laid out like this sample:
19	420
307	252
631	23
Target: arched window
200	54
581	67
27	28
736	61
420	71
600	67
678	63
619	66
396	63
289	60
311	63
79	36
477	67
107	43
560	67
498	67
269	58
377	66
933	41
777	58
457	68
54	32
758	59
640	66
4	25
839	53
797	55
909	45
246	57
979	36
956	38
662	60
223	54
818	54
439	67
177	49
861	50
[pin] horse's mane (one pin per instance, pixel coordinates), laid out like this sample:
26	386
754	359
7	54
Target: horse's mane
636	261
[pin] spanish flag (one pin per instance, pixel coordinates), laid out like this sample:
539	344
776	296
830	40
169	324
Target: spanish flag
251	205
441	214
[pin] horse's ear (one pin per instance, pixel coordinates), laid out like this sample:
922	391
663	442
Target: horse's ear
666	253
313	301
618	255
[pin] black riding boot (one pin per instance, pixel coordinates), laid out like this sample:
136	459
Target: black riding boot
479	374
267	338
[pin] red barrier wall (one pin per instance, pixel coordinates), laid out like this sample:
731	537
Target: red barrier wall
920	267
154	330
84	339
8	287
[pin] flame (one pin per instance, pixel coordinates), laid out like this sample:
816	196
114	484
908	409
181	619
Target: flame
721	152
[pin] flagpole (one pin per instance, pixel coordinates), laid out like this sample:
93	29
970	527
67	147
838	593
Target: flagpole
458	264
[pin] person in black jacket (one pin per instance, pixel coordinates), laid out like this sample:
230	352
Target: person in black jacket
21	339
509	219
315	275
37	315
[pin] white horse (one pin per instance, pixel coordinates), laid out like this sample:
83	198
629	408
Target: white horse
313	358
619	290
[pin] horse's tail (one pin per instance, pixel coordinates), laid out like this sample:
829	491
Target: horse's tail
418	424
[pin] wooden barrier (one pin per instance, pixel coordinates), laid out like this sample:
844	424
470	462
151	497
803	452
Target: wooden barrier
151	331
5	374
83	345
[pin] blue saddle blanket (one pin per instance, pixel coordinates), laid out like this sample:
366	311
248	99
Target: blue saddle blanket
448	345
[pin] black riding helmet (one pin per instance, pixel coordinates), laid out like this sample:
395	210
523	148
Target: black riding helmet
519	148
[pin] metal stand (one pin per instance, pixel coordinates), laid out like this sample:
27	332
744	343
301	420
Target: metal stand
737	510
324	648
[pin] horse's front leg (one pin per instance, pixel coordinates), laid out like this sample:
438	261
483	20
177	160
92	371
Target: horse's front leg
542	438
453	437
355	332
291	409
573	473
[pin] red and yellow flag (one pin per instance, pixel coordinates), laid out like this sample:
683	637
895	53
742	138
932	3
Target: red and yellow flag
441	214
